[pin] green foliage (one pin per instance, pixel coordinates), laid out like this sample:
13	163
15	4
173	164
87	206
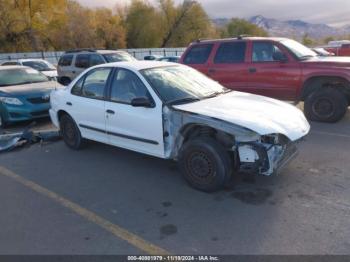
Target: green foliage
307	40
238	27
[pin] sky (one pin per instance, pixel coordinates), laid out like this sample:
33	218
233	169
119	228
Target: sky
334	13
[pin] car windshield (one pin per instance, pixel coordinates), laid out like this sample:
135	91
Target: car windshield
10	77
39	65
298	49
180	84
118	57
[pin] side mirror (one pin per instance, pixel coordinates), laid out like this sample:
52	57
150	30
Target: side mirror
142	102
279	56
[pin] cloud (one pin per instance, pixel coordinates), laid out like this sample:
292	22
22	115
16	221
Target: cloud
335	12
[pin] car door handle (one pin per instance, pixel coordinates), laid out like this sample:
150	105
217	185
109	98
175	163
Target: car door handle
252	70
69	104
211	71
73	72
111	112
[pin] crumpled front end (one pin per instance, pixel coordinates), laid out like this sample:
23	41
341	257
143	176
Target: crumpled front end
266	156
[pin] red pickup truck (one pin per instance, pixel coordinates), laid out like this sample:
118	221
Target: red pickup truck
276	67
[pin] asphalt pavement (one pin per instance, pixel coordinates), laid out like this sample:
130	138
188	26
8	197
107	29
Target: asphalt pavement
105	200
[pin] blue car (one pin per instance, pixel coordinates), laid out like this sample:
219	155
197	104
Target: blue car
24	94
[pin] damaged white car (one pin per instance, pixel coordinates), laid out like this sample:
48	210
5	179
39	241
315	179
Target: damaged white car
174	112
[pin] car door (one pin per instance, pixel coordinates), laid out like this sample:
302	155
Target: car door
82	62
87	106
271	72
228	65
136	128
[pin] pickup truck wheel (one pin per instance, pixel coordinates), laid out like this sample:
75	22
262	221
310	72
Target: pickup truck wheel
70	132
205	164
326	105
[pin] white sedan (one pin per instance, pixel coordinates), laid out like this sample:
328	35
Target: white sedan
41	65
174	112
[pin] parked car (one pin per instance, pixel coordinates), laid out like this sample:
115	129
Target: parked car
74	62
322	51
341	50
174	59
279	68
24	94
151	57
174	112
41	65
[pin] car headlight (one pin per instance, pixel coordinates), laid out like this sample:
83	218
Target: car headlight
11	101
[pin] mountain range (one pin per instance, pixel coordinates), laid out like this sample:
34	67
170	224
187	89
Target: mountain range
292	28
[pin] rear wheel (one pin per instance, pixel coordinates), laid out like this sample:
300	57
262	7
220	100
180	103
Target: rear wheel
205	164
70	132
326	105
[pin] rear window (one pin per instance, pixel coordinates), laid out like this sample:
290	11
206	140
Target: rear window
233	52
198	54
65	60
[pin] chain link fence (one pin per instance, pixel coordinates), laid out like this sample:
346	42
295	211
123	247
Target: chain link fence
53	57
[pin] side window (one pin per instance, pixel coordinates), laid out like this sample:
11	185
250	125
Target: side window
126	86
82	61
265	52
233	52
77	88
96	60
65	60
198	54
95	83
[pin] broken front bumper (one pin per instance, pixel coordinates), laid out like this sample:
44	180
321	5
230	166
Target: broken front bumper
265	159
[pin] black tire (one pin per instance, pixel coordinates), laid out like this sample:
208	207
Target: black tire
71	133
65	81
205	164
326	105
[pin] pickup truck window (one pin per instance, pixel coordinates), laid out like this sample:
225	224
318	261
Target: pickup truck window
198	54
265	52
230	53
299	50
126	86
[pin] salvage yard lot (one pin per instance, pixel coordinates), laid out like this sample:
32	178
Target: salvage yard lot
304	210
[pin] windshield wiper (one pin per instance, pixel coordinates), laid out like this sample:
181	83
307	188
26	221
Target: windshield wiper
183	100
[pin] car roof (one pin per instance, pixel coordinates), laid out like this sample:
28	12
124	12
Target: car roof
92	51
138	65
30	59
14	67
248	38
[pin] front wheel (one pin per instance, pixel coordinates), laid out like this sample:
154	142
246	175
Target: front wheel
205	164
326	105
70	132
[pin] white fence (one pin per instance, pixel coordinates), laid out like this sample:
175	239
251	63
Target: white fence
53	57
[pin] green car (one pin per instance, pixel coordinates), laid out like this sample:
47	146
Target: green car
24	94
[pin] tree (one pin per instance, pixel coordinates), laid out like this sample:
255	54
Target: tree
142	23
237	27
184	23
306	40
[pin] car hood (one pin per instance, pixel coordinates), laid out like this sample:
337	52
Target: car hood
261	114
330	60
43	87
